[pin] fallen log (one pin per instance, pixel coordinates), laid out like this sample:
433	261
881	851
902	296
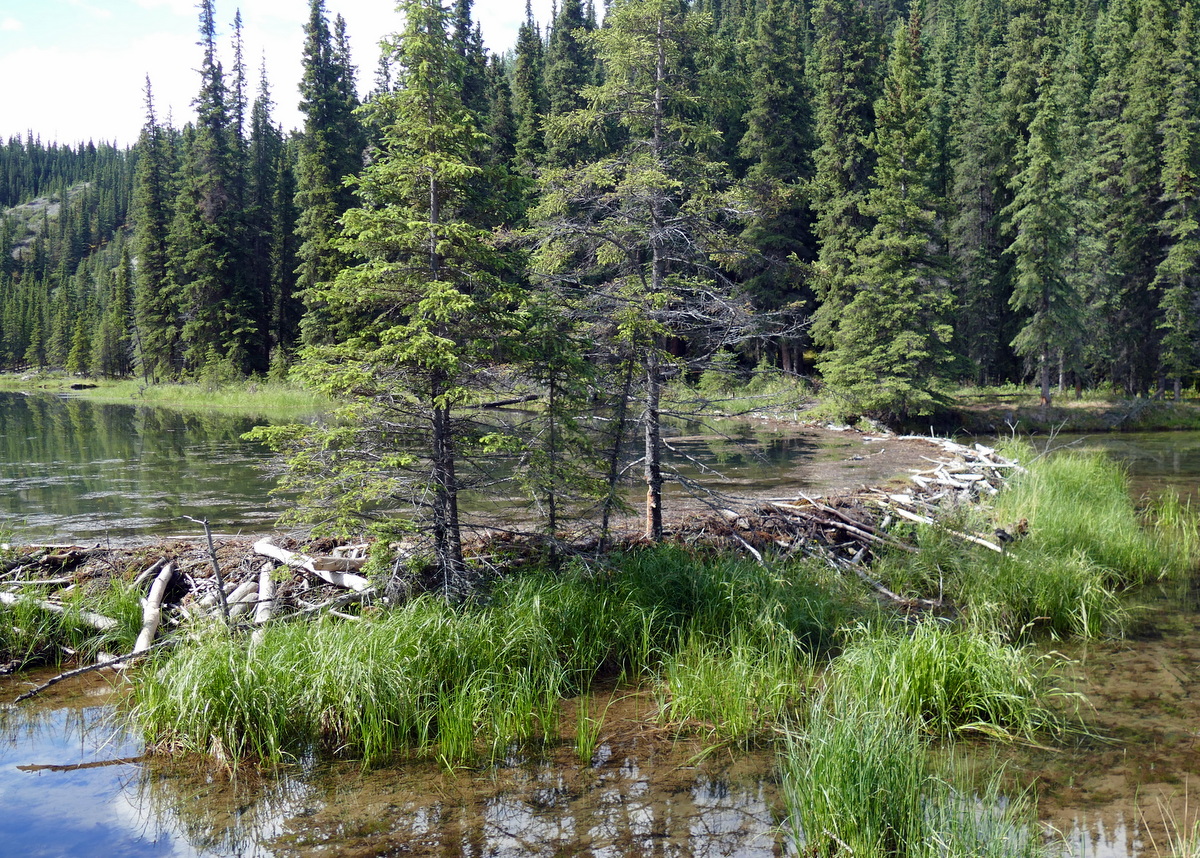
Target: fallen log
75	767
266	594
118	663
921	519
243	598
152	608
334	570
150	571
96	621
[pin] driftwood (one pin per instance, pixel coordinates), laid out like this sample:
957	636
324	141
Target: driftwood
118	663
152	608
334	570
96	621
75	767
150	571
266	594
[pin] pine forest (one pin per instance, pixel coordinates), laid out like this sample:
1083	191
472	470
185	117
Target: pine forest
893	198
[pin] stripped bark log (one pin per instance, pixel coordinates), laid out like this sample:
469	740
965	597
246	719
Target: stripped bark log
923	519
334	570
150	571
266	594
152	608
96	621
243	598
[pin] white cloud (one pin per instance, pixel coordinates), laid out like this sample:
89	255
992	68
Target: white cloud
10	25
93	10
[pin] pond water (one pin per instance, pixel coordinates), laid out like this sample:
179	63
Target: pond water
74	782
82	789
73	470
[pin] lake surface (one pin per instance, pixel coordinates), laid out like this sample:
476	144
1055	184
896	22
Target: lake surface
83	787
77	471
72	470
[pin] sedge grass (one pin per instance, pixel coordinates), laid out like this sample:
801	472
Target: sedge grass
469	680
732	690
859	781
30	633
1078	502
588	727
951	680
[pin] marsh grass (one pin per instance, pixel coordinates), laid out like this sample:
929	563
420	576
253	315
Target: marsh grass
29	633
952	680
859	781
1087	544
468	681
253	397
1079	504
735	689
588	727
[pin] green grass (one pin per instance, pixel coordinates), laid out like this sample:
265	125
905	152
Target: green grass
951	680
469	681
1087	545
30	634
1079	503
255	398
735	689
859	781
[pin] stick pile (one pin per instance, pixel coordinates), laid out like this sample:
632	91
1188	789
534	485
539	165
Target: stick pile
846	530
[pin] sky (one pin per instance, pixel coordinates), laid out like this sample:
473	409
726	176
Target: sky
75	70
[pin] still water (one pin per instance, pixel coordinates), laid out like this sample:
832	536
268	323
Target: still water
78	471
73	781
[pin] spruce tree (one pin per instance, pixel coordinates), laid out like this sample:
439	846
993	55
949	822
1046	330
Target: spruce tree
208	240
528	101
330	149
890	353
778	146
1039	221
569	65
845	85
156	305
1177	275
433	315
647	226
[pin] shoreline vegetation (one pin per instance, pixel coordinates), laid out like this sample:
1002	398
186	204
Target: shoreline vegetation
1008	410
856	662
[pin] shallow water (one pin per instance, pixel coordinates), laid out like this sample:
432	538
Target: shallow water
642	793
1119	794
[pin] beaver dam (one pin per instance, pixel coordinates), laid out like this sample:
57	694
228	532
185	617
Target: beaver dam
864	648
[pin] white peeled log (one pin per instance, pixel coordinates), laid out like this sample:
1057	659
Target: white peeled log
266	594
243	598
266	600
96	621
335	570
152	608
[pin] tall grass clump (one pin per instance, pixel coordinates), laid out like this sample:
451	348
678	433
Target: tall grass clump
733	690
461	681
31	634
714	594
1079	503
950	680
859	781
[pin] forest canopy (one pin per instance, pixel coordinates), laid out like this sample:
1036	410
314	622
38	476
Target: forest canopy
928	193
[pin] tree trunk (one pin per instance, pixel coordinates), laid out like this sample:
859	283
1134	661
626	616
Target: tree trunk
653	433
447	534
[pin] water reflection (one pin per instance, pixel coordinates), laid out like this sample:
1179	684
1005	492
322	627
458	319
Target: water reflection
72	470
642	794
